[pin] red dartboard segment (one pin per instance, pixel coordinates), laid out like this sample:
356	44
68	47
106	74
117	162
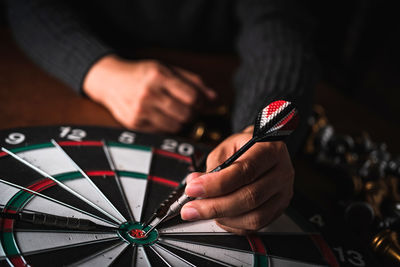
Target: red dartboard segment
325	250
2	154
8	225
18	261
172	155
157	179
41	185
163	181
100	173
256	244
80	143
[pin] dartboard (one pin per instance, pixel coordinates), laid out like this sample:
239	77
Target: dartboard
116	179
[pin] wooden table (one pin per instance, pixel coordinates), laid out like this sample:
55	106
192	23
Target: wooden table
30	97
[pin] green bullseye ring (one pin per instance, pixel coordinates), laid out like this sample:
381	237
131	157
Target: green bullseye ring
124	232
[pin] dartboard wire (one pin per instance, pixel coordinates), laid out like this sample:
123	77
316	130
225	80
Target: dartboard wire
146	258
162	258
96	254
194	253
45	174
174	255
223	233
87	178
146	193
296	262
168	234
111	163
28	253
58	202
205	244
128	245
134	253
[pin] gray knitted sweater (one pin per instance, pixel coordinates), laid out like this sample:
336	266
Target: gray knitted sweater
271	37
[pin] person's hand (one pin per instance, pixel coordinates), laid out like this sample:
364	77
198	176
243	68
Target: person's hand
247	195
146	95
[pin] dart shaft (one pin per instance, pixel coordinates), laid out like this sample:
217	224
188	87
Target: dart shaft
235	156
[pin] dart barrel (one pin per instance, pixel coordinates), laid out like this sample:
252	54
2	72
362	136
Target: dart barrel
386	244
57	221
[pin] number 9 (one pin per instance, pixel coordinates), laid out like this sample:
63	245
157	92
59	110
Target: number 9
15	138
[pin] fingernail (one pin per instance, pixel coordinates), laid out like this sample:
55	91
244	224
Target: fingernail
189	214
195	190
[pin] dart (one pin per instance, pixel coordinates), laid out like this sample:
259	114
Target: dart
38	218
273	123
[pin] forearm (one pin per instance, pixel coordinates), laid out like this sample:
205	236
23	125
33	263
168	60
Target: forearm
54	36
276	62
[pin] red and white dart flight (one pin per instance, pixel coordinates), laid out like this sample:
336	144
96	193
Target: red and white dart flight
276	121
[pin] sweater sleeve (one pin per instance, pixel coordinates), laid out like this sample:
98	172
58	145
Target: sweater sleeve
53	35
276	61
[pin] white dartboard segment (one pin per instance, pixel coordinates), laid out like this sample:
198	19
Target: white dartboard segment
228	256
204	226
129	159
6	193
141	259
104	258
135	189
84	188
172	258
49	159
31	242
2	255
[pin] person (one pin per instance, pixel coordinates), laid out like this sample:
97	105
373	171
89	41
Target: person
90	46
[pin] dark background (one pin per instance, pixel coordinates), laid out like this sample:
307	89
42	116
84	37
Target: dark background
358	48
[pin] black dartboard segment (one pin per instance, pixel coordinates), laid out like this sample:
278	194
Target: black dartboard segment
117	178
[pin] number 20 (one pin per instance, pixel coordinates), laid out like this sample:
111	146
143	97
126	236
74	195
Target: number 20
173	146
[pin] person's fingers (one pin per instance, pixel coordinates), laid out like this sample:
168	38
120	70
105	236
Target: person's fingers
171	106
181	90
234	230
191	176
256	161
163	122
242	200
259	217
197	81
226	149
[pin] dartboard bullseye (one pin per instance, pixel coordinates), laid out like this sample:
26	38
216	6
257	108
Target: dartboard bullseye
80	195
133	233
